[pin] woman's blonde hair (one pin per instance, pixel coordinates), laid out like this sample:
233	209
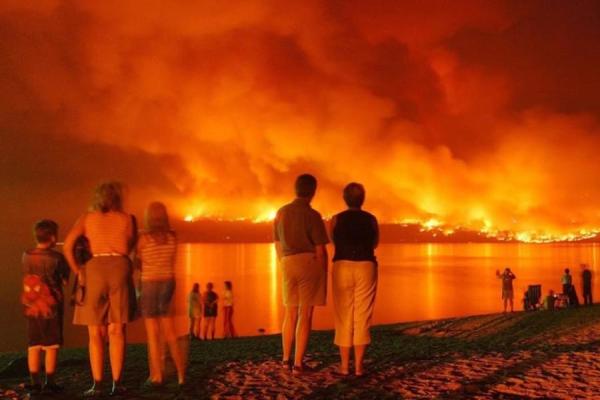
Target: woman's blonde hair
156	218
108	196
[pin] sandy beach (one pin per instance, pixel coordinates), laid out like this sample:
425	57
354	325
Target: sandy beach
520	355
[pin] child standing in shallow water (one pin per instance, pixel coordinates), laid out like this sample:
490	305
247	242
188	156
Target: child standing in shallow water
228	328
195	311
45	272
210	303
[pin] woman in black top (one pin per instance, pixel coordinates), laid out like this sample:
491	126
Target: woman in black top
355	235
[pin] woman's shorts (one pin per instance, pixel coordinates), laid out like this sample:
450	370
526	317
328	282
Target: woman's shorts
210	311
155	298
507	294
109	293
304	280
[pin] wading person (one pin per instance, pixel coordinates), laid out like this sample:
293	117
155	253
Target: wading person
300	239
355	234
156	250
45	272
109	300
586	283
508	295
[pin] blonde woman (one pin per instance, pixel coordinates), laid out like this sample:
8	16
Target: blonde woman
109	299
156	249
355	235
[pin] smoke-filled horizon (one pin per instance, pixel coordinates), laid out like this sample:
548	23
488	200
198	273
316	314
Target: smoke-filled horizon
480	114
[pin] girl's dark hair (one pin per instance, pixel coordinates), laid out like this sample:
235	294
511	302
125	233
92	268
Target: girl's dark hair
196	287
228	285
108	196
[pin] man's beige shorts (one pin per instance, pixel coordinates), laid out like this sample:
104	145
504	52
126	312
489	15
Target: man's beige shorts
304	280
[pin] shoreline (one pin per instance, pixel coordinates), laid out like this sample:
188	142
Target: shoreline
533	355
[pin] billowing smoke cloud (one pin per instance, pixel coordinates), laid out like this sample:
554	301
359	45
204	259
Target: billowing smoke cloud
477	114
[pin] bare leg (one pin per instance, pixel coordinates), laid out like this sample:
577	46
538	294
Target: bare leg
33	362
169	331
50	361
97	335
192	327
288	331
205	329
154	350
345	358
198	327
116	347
226	330
505	303
511	305
213	321
231	326
359	355
302	332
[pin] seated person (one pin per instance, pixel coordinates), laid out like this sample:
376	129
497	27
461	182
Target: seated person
549	301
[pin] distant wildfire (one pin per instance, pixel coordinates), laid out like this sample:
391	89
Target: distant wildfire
483	115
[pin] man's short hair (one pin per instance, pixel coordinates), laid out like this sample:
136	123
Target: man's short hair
44	230
306	186
354	195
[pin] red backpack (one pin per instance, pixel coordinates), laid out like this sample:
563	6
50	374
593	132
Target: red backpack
38	299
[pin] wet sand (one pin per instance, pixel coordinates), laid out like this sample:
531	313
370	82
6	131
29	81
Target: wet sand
536	355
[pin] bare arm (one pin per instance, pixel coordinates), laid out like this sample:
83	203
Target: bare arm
321	254
278	249
332	224
77	230
376	239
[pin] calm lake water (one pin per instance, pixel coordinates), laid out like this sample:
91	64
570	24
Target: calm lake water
416	282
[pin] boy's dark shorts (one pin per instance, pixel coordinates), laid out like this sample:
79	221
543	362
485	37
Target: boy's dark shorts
45	333
155	298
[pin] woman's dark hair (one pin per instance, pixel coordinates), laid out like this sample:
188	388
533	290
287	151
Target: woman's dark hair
108	196
196	288
567	270
44	230
228	285
209	285
306	186
354	195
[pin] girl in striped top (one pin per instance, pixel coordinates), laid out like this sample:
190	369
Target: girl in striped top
156	251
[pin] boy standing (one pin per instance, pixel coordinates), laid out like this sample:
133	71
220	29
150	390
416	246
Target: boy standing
45	272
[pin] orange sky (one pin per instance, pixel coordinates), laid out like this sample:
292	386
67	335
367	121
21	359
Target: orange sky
472	113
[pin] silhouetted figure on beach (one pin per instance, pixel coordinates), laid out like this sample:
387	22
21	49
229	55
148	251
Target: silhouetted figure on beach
508	295
300	238
355	234
566	281
210	305
586	283
228	327
195	311
549	301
